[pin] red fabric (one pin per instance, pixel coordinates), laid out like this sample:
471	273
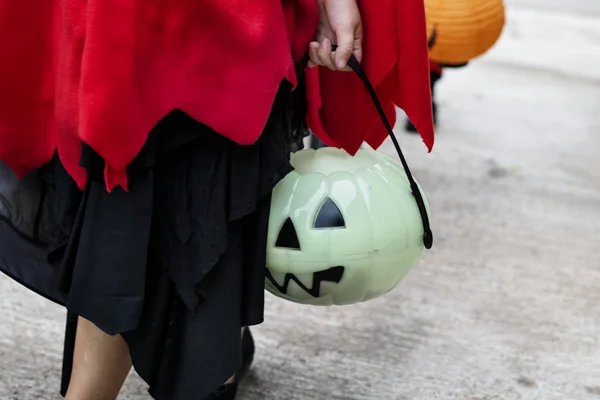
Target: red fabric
105	72
396	60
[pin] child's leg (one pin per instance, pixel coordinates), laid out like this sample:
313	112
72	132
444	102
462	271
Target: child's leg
100	364
233	378
435	74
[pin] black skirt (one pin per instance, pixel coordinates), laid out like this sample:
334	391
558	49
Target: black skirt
176	264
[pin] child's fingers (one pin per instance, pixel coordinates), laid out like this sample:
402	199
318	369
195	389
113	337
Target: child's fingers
324	53
313	53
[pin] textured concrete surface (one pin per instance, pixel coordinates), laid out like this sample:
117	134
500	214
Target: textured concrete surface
506	304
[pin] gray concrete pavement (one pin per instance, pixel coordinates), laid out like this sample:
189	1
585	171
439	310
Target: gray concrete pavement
506	304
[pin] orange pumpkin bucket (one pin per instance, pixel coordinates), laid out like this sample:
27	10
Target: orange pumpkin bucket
461	30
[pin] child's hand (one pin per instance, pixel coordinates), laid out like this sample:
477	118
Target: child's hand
339	23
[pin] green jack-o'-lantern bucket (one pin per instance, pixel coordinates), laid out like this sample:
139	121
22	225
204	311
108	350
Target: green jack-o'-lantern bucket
345	229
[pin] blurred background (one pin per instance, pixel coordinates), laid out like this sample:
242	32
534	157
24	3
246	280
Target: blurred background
506	304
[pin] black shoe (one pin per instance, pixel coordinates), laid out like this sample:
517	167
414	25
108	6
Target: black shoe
225	392
229	390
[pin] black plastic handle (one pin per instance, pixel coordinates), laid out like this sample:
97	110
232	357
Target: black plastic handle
359	70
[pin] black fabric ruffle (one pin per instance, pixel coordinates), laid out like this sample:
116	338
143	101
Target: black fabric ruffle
176	264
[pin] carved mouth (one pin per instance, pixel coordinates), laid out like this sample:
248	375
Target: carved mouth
333	274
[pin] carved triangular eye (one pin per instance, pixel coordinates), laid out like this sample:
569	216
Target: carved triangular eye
288	238
329	216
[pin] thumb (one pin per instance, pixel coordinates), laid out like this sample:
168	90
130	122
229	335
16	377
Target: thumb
345	45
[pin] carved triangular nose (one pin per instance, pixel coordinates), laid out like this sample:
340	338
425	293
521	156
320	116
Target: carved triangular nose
329	216
288	238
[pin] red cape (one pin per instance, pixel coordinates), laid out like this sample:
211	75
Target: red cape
104	72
